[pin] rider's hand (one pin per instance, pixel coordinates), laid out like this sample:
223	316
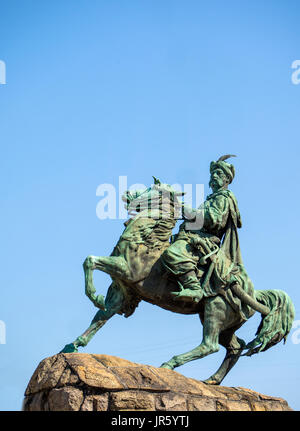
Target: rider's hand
188	213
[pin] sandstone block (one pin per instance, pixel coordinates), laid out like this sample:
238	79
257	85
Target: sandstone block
90	382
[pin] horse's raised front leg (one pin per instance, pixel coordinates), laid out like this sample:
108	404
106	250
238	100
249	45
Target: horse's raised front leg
115	266
214	316
113	303
234	347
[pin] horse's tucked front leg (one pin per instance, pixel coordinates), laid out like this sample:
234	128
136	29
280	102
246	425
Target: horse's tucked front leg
115	266
90	290
113	303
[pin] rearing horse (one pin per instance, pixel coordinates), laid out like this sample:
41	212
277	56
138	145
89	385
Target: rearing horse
138	274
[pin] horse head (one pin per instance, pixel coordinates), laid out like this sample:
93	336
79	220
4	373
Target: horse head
158	201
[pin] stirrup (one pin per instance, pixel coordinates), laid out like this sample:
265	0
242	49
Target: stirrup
189	294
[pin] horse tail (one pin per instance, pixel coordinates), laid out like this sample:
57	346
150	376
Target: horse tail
274	326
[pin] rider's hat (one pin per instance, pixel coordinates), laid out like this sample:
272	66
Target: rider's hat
226	167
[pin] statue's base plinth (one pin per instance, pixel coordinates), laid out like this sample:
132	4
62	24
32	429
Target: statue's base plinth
81	381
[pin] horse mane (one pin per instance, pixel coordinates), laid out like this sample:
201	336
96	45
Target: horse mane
152	226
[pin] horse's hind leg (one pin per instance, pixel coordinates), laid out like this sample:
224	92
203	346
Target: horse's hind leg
113	303
234	347
214	318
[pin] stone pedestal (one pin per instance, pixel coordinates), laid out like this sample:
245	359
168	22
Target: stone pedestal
88	382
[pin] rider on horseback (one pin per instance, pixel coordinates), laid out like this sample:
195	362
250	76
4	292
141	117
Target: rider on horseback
209	252
186	257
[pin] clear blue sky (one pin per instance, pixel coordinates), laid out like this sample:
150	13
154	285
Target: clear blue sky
99	89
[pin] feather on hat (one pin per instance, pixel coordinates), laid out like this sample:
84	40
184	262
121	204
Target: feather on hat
227	168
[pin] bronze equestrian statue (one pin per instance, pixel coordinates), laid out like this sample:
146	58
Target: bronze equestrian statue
197	271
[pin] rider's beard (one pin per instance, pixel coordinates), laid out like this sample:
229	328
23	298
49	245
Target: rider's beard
217	184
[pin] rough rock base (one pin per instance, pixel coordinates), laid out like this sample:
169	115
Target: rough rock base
81	381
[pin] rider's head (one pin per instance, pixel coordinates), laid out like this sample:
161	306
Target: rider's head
221	174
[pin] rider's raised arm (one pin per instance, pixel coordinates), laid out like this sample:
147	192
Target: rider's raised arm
214	211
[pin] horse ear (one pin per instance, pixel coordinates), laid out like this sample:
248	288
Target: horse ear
125	196
156	181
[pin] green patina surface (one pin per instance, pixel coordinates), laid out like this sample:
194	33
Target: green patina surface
197	271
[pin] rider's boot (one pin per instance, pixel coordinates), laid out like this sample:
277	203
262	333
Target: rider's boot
192	290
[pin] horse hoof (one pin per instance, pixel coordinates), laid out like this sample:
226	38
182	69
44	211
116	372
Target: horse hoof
100	302
166	365
69	348
210	382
